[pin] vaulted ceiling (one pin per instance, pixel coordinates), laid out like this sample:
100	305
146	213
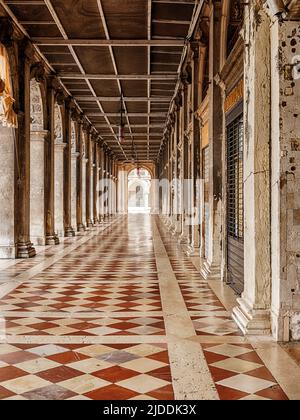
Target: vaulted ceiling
102	48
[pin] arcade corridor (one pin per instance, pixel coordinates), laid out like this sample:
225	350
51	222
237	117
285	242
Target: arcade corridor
149	199
157	330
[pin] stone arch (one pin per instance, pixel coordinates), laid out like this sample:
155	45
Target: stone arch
145	166
36	107
58	124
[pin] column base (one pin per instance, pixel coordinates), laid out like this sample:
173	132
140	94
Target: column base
251	321
38	241
81	227
25	250
183	239
69	233
52	240
89	224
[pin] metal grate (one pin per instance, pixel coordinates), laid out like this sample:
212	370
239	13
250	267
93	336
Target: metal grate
235	184
206	199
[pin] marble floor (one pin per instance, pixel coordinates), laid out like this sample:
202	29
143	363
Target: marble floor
120	313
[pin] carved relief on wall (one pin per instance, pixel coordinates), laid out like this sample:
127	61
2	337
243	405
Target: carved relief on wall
36	107
73	137
58	131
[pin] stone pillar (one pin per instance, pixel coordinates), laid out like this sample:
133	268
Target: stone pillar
37	187
84	198
80	204
74	158
7	193
22	196
215	141
106	196
51	237
253	311
89	172
196	148
101	177
59	189
285	56
95	184
69	231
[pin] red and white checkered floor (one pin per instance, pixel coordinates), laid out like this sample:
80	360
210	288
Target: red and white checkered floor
94	319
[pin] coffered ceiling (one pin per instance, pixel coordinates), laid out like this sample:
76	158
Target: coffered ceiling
102	48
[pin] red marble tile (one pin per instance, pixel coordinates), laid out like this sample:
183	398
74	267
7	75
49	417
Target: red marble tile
115	374
5	393
18	357
229	394
220	374
251	357
111	393
262	373
273	393
163	394
10	372
213	357
68	357
59	374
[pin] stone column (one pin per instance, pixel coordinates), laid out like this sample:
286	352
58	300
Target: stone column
84	198
37	187
80	204
106	195
59	189
253	311
89	171
69	231
51	237
74	158
184	237
285	56
196	144
101	176
7	193
213	263
95	184
22	179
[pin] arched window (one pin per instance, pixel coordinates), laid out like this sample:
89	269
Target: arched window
8	117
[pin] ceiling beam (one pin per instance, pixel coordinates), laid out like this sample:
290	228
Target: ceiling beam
129	114
172	22
40	41
99	126
162	99
77	76
114	63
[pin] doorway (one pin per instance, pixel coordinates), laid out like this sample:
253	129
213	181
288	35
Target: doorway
139	191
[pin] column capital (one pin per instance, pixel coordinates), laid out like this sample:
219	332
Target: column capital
40	135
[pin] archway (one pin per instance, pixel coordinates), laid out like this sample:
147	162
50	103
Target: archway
37	165
8	123
139	190
59	172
